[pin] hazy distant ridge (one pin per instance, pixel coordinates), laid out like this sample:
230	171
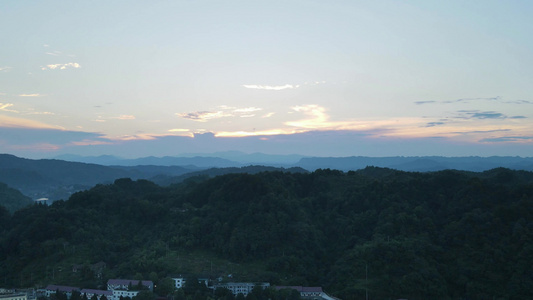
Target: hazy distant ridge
57	179
418	164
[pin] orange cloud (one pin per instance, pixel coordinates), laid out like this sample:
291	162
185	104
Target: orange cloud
11	122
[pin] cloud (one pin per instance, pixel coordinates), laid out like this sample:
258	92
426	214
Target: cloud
4	107
481	131
61	66
246	110
28	141
222	112
487	115
40	113
271	87
31	95
11	122
201	116
519	102
124	117
317	117
89	142
469	100
54	53
424	102
506	139
181	132
5	69
476	114
431	124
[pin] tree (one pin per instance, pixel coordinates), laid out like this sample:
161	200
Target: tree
165	287
75	295
144	295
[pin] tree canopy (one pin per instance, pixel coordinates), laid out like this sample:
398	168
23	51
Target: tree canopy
393	234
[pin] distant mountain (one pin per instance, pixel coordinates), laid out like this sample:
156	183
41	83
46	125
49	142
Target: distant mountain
418	164
196	162
256	158
191	162
58	179
199	160
106	160
54	179
168	180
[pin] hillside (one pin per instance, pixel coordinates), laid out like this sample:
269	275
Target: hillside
58	179
12	199
438	235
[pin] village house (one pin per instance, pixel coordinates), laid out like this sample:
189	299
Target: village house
179	282
309	292
52	289
15	296
241	287
127	287
98	293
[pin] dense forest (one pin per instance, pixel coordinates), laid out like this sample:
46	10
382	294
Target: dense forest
12	199
393	234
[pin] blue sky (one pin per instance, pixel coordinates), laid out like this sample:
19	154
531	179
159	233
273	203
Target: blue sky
324	78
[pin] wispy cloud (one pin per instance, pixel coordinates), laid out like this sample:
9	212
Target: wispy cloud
424	102
317	117
89	142
124	117
5	69
506	139
271	87
31	95
54	53
432	124
61	66
5	107
40	113
12	122
202	116
222	112
470	100
519	102
476	114
268	115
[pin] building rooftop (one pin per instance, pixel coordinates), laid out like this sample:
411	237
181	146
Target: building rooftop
62	288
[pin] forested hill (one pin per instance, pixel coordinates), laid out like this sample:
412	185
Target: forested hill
441	235
12	199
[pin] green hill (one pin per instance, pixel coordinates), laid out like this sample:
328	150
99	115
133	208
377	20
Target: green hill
441	235
12	199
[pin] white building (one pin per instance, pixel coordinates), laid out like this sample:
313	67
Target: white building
17	296
179	282
98	293
127	288
241	287
125	284
309	292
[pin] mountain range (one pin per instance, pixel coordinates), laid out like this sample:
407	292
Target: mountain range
58	178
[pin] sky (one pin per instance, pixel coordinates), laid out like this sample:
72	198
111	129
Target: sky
311	77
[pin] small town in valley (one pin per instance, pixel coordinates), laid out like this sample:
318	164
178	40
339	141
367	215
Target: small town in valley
130	289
